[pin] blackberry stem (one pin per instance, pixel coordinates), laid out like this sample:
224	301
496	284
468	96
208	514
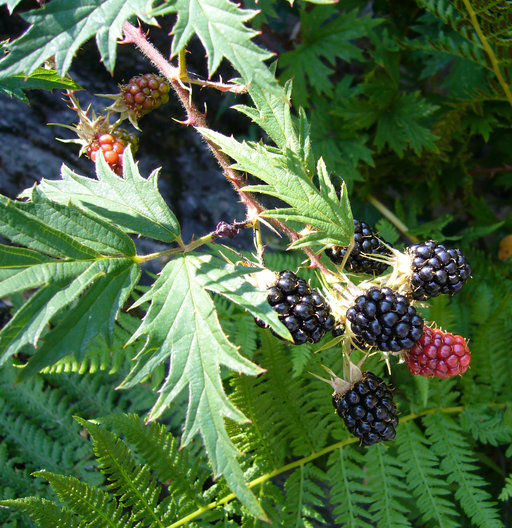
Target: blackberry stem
197	119
392	218
184	248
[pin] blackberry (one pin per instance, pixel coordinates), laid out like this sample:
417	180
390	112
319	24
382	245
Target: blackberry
368	410
301	309
436	270
366	242
385	319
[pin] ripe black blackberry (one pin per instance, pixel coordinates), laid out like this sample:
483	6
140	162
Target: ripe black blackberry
436	270
301	309
366	242
368	410
383	318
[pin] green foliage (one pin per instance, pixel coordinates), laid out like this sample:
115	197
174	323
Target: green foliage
40	79
220	25
131	202
59	28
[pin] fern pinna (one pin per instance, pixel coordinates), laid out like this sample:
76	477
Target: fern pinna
220	422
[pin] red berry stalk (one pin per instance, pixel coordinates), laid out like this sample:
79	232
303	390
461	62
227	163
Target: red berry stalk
438	353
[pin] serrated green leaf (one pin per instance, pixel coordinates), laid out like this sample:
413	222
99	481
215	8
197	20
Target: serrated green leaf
220	26
40	79
60	27
132	202
59	230
272	114
92	275
106	283
329	218
93	316
181	325
14	257
230	282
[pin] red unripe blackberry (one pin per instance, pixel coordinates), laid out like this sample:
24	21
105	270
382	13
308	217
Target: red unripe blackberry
366	242
144	93
301	309
112	148
368	410
438	353
383	318
436	270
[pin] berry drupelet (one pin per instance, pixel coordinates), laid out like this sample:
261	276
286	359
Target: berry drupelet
144	93
436	270
301	309
366	243
438	353
112	146
368	410
383	318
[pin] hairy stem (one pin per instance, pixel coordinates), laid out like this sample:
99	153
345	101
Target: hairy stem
197	119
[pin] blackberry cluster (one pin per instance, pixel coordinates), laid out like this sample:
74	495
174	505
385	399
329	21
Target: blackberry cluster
384	318
437	270
368	410
301	309
145	93
366	242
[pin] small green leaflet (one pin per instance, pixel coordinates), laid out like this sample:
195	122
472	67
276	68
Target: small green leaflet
11	4
328	217
81	267
132	202
40	79
181	329
60	27
220	25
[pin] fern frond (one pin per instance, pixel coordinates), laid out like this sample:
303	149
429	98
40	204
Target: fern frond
46	513
11	477
159	449
487	425
460	466
386	488
34	442
304	496
424	478
263	437
131	483
45	406
348	492
92	504
506	492
304	424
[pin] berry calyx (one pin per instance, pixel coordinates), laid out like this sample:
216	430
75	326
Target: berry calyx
383	318
436	270
366	245
439	354
301	309
368	410
139	96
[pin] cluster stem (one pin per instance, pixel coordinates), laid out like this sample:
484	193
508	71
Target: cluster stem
175	76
